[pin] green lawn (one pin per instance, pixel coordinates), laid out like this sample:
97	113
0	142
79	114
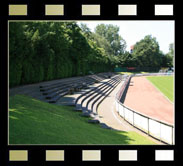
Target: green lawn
164	84
35	122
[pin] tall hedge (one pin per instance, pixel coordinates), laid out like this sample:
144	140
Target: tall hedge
41	51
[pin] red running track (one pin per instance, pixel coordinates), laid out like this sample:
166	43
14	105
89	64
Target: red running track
143	97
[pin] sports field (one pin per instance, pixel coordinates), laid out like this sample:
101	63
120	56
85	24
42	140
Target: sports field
144	97
165	84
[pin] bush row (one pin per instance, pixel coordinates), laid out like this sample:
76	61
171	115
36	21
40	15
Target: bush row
41	51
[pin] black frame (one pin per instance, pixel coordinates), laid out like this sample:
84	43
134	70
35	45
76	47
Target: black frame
73	153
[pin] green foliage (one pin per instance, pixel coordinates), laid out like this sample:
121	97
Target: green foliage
145	56
15	72
16	44
127	60
168	58
41	51
111	34
171	49
146	51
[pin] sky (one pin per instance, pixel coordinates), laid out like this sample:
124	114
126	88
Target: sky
134	31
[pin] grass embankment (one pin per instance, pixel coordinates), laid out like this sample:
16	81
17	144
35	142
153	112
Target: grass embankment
164	84
35	122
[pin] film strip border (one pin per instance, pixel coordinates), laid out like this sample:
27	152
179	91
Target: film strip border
89	10
88	155
53	156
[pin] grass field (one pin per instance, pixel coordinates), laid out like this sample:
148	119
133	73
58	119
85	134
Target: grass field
165	84
35	122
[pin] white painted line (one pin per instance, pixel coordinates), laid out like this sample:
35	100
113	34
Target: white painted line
112	108
160	92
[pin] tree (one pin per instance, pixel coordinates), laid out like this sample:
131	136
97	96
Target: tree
40	51
127	60
101	42
147	52
169	57
17	51
111	34
167	60
171	49
86	31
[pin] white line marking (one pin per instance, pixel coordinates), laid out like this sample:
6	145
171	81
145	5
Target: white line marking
114	113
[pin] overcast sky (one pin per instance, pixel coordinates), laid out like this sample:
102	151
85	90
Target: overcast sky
133	31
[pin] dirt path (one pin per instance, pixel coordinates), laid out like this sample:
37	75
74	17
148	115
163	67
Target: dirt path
143	97
109	116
